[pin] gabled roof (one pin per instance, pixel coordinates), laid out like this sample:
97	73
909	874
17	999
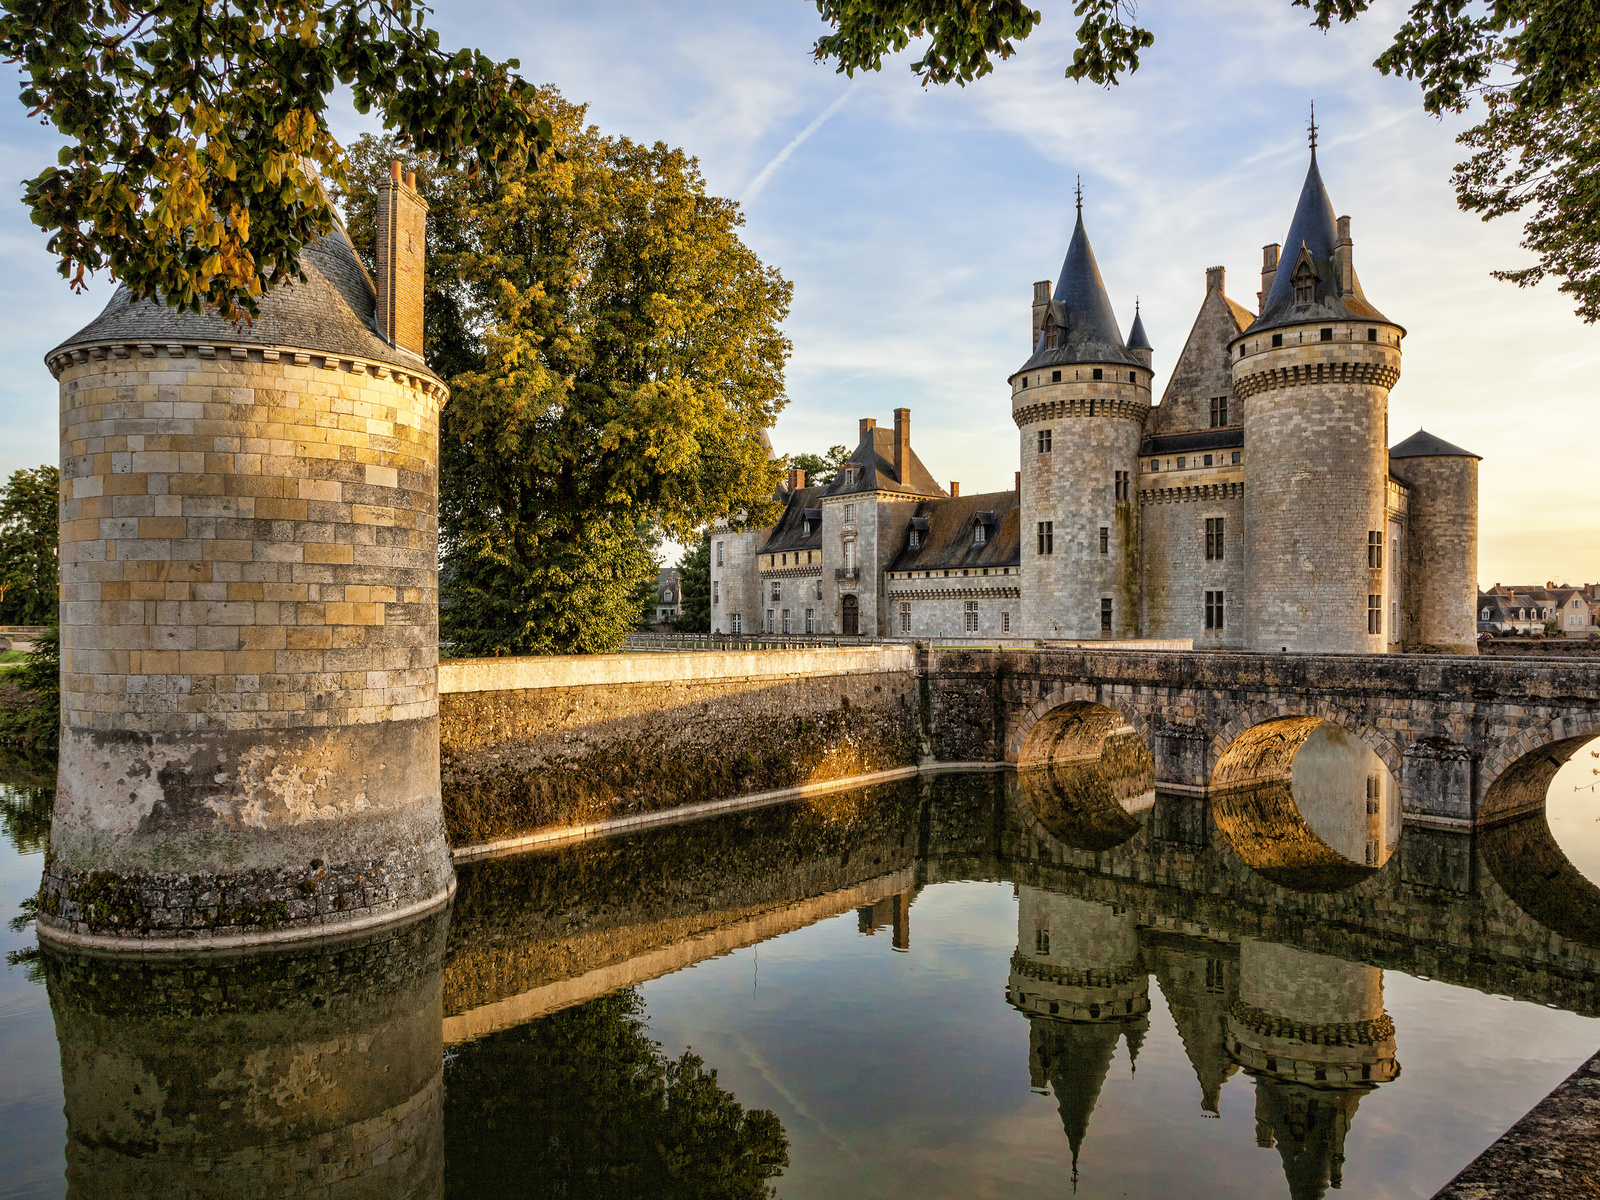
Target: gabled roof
333	312
1423	444
874	460
1314	231
944	528
790	531
1088	330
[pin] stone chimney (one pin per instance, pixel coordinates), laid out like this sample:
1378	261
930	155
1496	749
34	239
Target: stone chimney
955	488
868	424
402	236
902	443
1269	268
1041	302
1214	279
1017	486
1344	258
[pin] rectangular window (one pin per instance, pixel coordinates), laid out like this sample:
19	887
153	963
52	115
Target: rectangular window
1055	376
1044	441
735	624
1327	335
1277	340
905	616
1041	941
1374	613
1182	462
771	625
1208	460
979	533
811	620
1005	622
716	591
1214	612
1099	374
972	616
1219	411
1375	549
1372	335
1105	539
1105	614
1155	464
1047	537
1122	485
849	514
1214	539
916	540
1236	457
777	589
819	589
719	554
786	627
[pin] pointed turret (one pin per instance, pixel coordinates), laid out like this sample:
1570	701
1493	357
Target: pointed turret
1138	341
1080	326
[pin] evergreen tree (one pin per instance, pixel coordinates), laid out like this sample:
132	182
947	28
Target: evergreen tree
694	583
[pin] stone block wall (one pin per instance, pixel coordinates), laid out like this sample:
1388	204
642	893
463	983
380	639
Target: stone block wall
1177	573
537	743
1441	588
249	642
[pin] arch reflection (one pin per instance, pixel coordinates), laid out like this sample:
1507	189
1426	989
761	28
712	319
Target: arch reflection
1091	779
1306	804
312	1072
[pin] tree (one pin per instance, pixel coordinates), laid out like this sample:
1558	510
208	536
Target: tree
34	723
28	536
1535	62
195	131
610	1115
820	469
694	585
620	352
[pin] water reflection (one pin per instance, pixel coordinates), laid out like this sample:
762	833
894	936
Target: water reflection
1092	801
283	1074
1307	804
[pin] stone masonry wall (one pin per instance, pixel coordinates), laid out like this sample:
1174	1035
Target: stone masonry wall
528	744
1441	590
1177	573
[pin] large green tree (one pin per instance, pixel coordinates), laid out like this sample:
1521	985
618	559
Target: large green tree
821	469
613	351
195	130
1536	64
28	510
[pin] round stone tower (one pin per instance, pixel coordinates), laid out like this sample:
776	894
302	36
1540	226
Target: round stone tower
1312	374
1080	403
249	584
1441	566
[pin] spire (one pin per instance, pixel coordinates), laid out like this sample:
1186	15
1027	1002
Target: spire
1079	324
1080	197
1313	131
1137	338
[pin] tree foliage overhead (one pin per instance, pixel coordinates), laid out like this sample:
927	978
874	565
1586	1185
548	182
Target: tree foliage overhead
613	351
821	469
28	536
1536	63
196	129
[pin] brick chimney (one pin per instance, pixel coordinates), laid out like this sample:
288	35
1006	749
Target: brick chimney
1269	268
402	220
1017	486
955	488
1344	257
797	479
868	424
902	443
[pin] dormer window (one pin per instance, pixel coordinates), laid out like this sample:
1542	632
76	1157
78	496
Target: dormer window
1305	284
979	534
916	540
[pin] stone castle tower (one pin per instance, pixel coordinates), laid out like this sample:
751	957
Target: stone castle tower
249	617
1080	404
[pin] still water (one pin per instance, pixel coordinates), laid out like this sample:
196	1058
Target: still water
1055	982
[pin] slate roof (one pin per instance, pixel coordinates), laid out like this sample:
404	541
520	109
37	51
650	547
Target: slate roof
790	531
945	524
1314	230
1228	438
1423	444
874	458
1081	309
1137	338
333	312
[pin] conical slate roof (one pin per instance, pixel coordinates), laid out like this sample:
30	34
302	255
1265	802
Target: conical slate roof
1137	338
1313	232
1082	312
333	312
1423	444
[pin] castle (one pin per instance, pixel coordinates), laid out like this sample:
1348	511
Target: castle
1259	506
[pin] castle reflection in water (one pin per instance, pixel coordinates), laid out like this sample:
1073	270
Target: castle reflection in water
400	1064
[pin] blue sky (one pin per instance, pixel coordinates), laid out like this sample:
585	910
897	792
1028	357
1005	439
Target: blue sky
913	223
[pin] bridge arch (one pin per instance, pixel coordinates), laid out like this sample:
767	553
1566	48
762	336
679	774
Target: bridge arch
1072	723
1251	716
1503	778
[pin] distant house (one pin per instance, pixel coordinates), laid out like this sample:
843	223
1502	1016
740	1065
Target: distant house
669	596
1526	610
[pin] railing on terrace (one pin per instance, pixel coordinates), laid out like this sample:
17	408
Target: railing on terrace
796	641
847	572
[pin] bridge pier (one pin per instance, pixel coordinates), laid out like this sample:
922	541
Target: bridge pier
1436	783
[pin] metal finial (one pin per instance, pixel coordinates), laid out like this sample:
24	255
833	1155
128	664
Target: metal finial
1136	305
1080	195
1313	127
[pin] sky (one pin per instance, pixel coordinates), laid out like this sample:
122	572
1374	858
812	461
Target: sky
913	222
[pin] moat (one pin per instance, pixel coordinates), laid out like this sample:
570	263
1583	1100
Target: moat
1054	981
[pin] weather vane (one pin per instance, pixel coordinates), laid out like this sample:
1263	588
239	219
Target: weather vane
1313	126
1080	195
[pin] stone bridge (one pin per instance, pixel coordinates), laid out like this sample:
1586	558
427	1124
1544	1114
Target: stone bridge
1472	741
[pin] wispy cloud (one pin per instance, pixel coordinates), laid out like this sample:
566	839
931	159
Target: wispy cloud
799	139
